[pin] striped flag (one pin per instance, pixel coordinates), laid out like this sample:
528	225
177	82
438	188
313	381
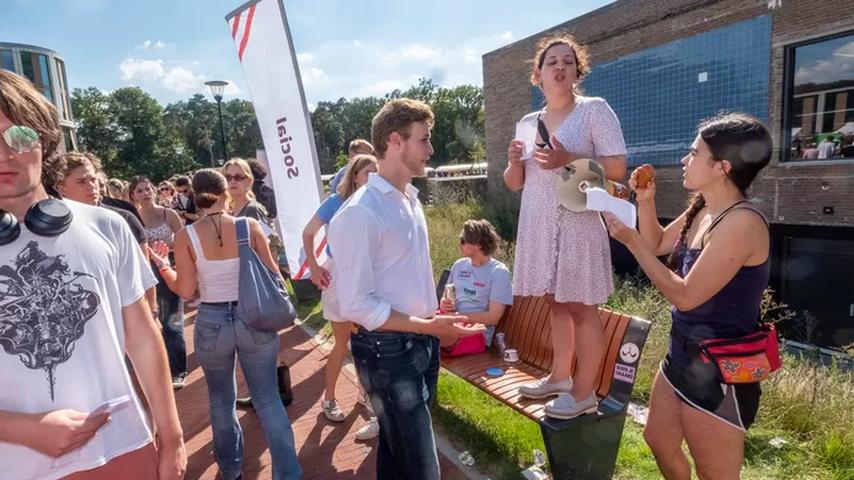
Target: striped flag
262	39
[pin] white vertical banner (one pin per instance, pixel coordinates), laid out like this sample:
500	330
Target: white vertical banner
265	50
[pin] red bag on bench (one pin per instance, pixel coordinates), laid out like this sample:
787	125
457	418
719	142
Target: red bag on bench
465	346
748	359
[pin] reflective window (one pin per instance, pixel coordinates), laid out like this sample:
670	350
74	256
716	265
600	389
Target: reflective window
662	93
7	60
65	109
68	139
35	67
820	103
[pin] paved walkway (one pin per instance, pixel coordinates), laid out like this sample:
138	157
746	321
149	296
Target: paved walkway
326	450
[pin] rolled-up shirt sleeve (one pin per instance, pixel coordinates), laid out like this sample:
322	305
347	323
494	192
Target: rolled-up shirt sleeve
354	241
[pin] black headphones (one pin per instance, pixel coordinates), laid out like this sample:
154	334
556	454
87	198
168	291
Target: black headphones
47	218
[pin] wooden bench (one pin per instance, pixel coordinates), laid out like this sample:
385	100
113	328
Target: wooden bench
584	447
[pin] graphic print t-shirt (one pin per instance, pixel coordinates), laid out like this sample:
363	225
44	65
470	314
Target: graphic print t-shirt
477	286
62	336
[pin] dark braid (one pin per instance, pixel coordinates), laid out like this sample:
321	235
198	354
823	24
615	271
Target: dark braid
696	204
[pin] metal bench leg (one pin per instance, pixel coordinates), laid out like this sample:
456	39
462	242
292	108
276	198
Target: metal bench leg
583	448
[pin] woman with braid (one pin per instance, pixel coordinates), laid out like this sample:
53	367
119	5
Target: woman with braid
719	267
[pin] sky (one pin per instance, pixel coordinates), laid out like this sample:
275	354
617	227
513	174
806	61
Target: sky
345	48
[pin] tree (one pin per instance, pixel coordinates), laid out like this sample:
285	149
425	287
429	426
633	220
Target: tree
242	131
96	127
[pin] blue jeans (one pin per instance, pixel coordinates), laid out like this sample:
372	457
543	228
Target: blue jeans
399	372
219	335
172	320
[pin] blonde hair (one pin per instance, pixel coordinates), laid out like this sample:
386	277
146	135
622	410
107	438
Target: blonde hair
243	165
360	145
347	186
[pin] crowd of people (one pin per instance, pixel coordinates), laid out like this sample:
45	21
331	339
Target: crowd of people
96	272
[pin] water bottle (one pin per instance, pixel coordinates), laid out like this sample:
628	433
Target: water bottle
502	345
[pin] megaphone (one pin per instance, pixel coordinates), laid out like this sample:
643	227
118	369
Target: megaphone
574	180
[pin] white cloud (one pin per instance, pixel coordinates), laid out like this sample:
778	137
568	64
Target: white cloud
419	52
232	89
181	79
358	68
141	70
313	76
840	66
147	44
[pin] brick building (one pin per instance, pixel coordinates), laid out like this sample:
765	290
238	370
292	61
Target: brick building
663	65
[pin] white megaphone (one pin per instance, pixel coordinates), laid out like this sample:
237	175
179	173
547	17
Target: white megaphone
574	180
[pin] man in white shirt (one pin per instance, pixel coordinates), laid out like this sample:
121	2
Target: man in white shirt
384	280
71	293
826	149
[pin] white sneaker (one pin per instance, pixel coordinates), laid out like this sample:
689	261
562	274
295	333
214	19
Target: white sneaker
369	431
565	406
179	381
332	411
542	388
365	401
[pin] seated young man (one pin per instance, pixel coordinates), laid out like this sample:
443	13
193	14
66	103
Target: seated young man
482	283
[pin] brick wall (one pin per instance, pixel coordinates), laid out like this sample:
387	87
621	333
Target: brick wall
789	193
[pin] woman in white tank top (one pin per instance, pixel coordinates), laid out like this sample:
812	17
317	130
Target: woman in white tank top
207	257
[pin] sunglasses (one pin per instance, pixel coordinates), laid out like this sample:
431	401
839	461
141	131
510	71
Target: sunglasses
21	139
165	189
236	178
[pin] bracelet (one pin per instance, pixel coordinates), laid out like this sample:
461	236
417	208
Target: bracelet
163	266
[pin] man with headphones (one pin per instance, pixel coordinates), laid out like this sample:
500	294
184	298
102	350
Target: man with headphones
71	298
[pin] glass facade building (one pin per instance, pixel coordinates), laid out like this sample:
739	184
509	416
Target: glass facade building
725	69
46	69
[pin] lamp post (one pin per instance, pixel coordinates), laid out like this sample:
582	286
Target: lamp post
217	87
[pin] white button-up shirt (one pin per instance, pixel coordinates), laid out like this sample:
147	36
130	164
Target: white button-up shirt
382	255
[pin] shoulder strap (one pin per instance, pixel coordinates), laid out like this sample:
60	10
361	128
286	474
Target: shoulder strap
742	205
543	131
242	226
197	245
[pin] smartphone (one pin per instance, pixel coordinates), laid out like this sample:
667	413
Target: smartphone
111	405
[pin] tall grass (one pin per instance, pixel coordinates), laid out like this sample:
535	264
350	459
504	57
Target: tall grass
810	407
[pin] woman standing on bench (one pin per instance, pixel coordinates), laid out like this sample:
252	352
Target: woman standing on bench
560	254
719	249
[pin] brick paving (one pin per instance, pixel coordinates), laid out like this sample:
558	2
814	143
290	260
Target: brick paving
326	450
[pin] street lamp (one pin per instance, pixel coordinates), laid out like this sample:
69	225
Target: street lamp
217	87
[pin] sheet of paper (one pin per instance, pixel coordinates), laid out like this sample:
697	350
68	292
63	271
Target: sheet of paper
527	133
599	200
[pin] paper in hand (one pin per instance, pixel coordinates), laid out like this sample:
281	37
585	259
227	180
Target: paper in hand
526	132
600	201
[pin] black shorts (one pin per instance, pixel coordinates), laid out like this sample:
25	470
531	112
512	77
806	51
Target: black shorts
699	386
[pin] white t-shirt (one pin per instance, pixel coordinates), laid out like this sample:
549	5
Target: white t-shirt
477	286
62	336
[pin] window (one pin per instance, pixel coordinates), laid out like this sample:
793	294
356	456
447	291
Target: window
35	67
7	60
65	109
819	109
68	139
